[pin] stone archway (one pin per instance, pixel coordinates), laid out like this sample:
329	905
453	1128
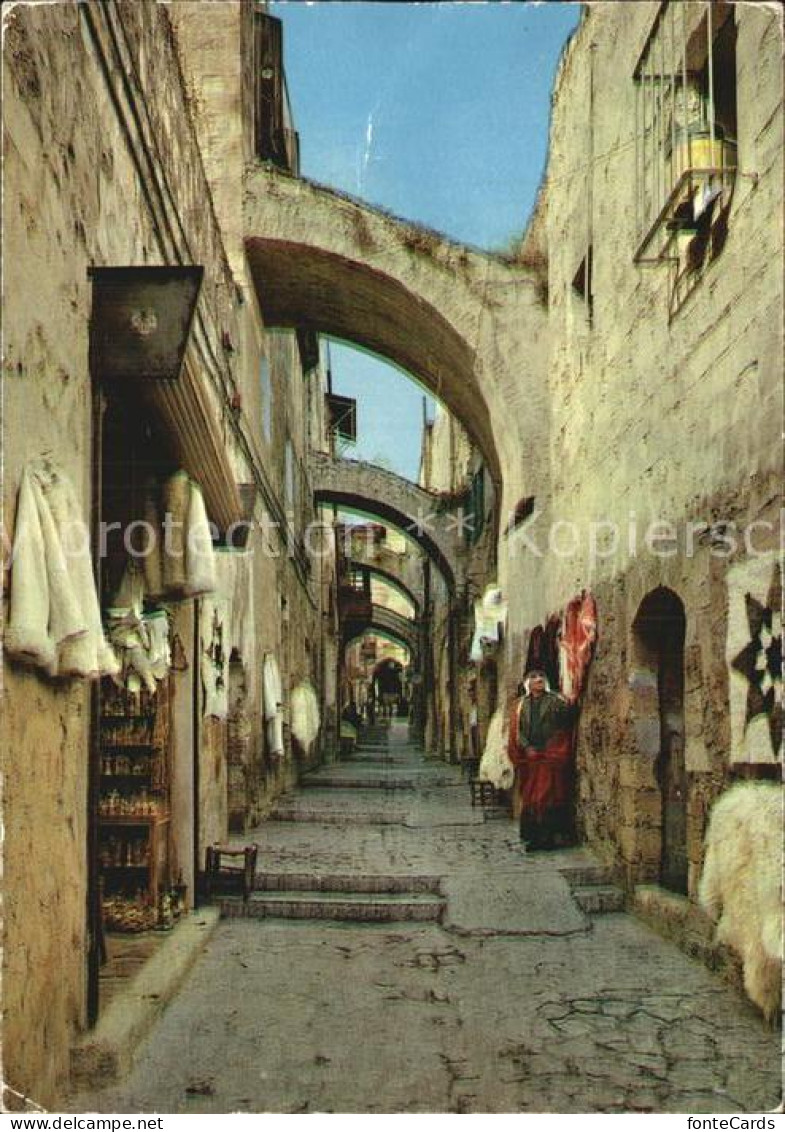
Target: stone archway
458	320
658	715
391	579
356	485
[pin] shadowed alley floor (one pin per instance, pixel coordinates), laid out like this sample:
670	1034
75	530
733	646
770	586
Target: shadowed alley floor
403	954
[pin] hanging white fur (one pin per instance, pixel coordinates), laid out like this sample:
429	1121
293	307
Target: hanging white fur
188	558
54	617
152	564
140	640
741	885
305	715
273	704
495	766
234	580
199	554
175	497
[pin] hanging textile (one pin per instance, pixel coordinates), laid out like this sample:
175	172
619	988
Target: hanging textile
754	656
490	618
495	765
543	651
175	496
54	619
576	644
152	564
187	559
199	555
273	704
234	581
305	715
140	640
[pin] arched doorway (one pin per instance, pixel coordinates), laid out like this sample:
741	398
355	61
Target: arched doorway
659	630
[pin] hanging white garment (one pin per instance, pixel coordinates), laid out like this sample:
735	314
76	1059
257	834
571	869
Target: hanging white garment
305	715
131	640
131	592
273	704
175	499
234	581
490	619
151	561
495	765
187	558
54	617
160	650
199	553
140	640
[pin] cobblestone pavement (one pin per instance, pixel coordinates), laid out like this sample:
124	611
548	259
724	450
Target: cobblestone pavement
516	1002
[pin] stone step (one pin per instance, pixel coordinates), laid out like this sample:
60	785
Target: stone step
357	783
387	761
583	876
342	882
337	816
598	899
358	907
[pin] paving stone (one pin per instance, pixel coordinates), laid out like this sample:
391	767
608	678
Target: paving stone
517	1002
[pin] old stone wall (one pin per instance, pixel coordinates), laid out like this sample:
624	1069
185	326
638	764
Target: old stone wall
653	417
77	201
111	157
448	462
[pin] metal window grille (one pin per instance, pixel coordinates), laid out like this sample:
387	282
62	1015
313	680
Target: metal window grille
276	138
685	122
342	421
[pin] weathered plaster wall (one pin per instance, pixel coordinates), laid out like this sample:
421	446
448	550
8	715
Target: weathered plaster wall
214	44
651	419
102	167
213	798
68	179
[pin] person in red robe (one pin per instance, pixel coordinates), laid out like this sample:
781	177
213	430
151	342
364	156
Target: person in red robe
540	749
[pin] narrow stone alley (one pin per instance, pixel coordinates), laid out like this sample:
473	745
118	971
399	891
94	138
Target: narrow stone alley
401	953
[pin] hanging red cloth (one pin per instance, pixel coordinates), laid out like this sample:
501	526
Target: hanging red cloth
578	636
546	777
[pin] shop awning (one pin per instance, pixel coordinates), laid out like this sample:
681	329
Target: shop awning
142	340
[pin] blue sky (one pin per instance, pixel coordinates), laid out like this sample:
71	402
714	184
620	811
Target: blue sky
438	112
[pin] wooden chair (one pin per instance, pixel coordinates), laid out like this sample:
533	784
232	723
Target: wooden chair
483	792
234	868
